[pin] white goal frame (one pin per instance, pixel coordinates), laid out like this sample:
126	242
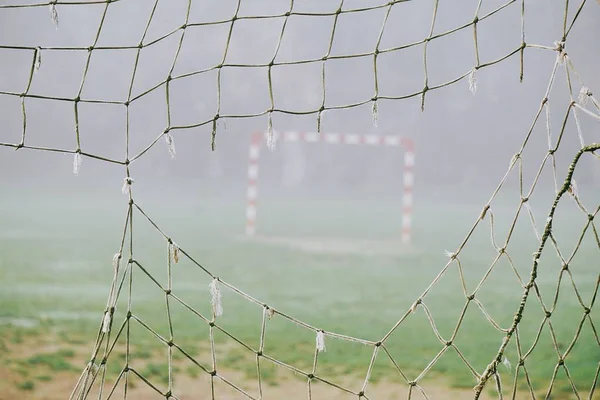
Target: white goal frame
407	144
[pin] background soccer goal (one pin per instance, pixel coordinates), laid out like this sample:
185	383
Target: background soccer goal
407	179
125	267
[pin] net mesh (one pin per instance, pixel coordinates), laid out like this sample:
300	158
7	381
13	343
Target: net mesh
120	325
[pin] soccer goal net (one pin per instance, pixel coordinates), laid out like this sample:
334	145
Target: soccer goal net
499	98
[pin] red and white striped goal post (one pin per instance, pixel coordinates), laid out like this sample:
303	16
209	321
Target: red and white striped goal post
407	144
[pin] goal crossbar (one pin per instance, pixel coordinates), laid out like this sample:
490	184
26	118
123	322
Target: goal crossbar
407	144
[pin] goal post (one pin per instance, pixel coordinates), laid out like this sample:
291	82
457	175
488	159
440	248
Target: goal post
407	144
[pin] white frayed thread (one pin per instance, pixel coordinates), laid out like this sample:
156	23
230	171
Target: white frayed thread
93	367
54	15
116	261
77	163
506	363
213	136
270	312
562	54
514	159
321	341
38	59
573	189
578	126
170	144
106	322
415	305
215	293
584	95
173	253
530	212
127	182
473	81
449	254
270	134
320	117
548	126
536	257
375	113
484	212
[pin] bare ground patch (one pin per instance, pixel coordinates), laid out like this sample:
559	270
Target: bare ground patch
47	367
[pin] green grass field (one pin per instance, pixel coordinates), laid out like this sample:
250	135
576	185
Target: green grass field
55	266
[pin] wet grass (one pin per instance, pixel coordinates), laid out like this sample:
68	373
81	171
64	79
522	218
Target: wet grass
62	286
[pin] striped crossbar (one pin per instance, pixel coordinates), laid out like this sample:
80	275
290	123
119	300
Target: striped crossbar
334	138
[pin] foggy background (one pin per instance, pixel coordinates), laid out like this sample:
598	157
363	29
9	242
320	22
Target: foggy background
463	141
60	230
